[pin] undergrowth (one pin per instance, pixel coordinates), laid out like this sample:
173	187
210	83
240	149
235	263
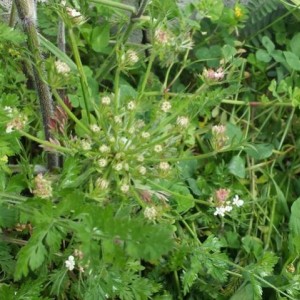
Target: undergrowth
149	151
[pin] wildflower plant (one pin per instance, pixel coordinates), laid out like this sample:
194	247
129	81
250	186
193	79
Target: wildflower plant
167	177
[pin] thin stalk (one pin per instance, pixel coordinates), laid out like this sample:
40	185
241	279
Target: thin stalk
146	76
83	79
141	10
27	14
61	38
178	73
177	282
46	143
13	15
193	234
271	224
11	240
117	89
225	101
109	61
114	4
12	196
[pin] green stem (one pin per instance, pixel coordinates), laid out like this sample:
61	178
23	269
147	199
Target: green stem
83	79
177	282
114	4
184	64
46	143
141	10
226	101
117	89
109	61
271	224
193	234
69	113
146	76
12	196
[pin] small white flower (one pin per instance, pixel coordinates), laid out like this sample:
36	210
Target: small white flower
95	128
182	121
150	213
17	123
126	166
123	140
131	105
145	134
61	67
119	155
112	139
70	263
8	110
131	130
105	100
73	12
9	129
124	188
102	162
118	119
140	123
218	129
220	211
166	106
104	149
237	201
118	167
142	170
228	208
140	158
132	57
219	74
85	145
164	166
102	183
162	37
158	148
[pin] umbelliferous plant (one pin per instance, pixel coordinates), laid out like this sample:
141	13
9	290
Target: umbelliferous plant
175	179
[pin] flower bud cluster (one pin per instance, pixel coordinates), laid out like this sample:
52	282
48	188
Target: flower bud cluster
220	137
43	188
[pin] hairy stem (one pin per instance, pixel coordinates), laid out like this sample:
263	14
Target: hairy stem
27	14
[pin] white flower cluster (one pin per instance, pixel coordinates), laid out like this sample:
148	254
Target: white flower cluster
228	206
70	263
132	57
17	123
61	67
214	75
150	213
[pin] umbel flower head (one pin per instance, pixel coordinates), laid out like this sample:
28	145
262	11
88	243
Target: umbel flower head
125	149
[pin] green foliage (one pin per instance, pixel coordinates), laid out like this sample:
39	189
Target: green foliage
261	14
178	174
